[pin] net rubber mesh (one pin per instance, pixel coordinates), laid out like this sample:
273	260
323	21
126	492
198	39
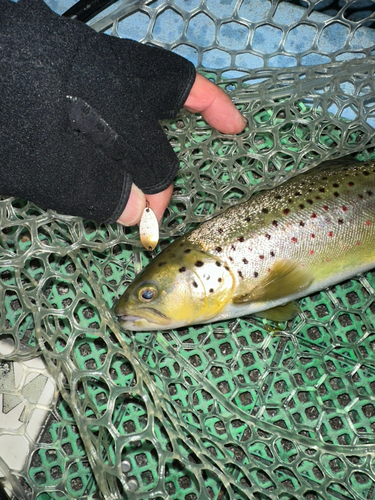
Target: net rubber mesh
234	410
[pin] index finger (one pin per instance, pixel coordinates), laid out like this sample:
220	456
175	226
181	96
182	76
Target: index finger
215	106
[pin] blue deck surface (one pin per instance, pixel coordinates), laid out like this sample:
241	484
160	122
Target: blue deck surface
233	35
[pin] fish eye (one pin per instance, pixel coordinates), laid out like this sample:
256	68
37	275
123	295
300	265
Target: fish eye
147	293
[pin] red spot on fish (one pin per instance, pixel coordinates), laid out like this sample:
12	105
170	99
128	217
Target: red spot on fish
330	234
312	235
344	208
294	239
325	207
261	257
345	247
368	223
311	252
313	216
358	243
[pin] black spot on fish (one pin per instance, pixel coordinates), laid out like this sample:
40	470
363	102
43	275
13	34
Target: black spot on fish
265	210
350	184
161	264
317	197
233	247
240	274
301	224
360	196
324	178
322	190
272	253
335	185
274	223
310	202
369	193
278	197
218	263
245	261
211	290
290	200
226	268
231	259
268	236
182	269
199	263
297	193
220	280
301	206
256	274
187	250
366	173
218	249
340	221
241	239
248	219
195	284
336	194
220	230
286	211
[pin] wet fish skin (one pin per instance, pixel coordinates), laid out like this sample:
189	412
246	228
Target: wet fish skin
313	231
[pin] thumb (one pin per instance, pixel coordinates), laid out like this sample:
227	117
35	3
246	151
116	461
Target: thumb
134	207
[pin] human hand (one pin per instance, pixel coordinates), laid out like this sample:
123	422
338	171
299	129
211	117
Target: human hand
218	110
79	115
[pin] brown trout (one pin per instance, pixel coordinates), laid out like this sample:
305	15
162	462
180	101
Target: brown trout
258	257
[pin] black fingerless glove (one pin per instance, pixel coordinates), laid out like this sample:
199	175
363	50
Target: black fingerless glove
79	113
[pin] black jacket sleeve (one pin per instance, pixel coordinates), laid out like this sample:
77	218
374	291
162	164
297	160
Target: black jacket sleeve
79	113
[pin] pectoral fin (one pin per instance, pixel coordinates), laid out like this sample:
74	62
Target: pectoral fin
286	278
281	313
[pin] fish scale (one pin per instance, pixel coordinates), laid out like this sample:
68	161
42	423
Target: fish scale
313	231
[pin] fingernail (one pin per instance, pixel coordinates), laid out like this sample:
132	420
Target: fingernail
134	208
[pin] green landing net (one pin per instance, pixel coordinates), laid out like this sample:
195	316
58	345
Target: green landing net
234	410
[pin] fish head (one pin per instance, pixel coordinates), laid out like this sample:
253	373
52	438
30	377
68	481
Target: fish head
183	285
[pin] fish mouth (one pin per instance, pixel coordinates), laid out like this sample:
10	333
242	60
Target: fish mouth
146	314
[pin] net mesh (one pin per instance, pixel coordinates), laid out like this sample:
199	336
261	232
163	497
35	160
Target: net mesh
233	410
